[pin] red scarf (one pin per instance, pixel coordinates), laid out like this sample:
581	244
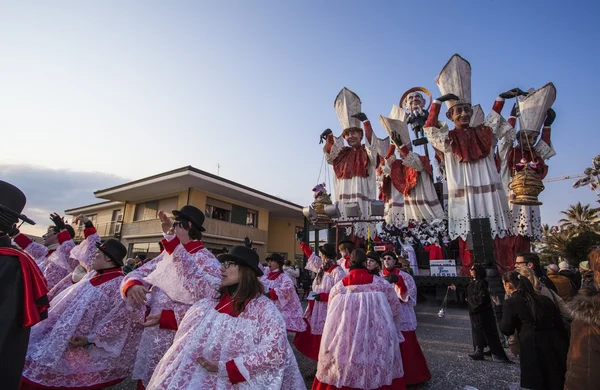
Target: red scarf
105	275
351	162
471	144
35	289
357	276
274	275
347	261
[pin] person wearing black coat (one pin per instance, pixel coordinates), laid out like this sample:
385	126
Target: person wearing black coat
542	337
23	290
483	321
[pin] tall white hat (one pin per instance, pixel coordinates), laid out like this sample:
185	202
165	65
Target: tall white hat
455	78
533	108
346	104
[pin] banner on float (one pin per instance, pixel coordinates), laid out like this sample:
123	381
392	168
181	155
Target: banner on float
443	267
379	248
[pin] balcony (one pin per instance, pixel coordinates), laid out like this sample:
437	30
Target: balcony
228	229
105	230
142	228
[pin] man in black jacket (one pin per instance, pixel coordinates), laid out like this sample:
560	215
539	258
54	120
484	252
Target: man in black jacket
532	261
22	287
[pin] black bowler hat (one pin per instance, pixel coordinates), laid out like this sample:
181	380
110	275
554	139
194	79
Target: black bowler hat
375	256
12	202
192	214
277	257
328	250
347	242
114	250
389	253
242	255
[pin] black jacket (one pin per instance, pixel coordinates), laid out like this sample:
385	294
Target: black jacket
478	296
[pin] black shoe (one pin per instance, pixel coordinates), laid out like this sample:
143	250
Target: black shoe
477	355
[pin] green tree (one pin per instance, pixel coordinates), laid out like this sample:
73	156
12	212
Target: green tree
578	247
579	219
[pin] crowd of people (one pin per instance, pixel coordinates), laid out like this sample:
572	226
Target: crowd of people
189	320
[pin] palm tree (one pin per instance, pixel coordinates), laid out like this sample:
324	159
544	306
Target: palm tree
579	218
553	244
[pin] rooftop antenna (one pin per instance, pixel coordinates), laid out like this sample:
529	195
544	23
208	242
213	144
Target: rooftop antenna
218	169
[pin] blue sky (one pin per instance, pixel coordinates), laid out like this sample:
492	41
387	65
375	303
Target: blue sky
140	87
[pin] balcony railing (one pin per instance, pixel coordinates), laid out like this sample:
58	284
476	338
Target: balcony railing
108	229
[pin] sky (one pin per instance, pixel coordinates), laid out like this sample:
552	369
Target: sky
95	94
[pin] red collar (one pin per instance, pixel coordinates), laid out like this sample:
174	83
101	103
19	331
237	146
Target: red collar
105	275
347	262
330	269
226	305
358	276
194	246
395	271
274	275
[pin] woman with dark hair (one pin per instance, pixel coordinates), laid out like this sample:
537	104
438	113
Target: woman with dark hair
183	273
280	288
359	347
373	263
542	337
483	321
236	337
328	274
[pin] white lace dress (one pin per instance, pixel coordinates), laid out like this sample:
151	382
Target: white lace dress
360	342
251	350
280	288
177	277
91	308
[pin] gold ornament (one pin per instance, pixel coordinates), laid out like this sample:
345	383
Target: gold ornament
526	185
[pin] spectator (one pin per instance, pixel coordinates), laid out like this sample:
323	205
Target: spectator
574	277
532	261
292	271
564	287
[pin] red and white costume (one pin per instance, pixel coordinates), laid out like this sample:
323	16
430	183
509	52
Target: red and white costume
413	360
344	262
251	349
178	277
474	186
280	288
91	308
54	263
309	341
359	347
83	254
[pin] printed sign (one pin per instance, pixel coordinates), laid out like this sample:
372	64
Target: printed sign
379	248
443	267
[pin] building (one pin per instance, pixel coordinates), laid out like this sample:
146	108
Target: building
233	211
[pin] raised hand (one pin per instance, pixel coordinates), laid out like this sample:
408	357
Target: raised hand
58	221
515	110
137	294
81	218
446	97
550	117
513	93
247	242
165	222
360	116
324	135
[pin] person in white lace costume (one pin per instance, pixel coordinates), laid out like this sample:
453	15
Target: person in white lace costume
53	257
181	275
236	340
280	289
360	327
328	274
82	254
90	337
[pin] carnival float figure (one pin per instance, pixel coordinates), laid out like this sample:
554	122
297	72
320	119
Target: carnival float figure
408	183
474	185
354	165
522	156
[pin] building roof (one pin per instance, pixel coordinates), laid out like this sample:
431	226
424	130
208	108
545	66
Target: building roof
93	207
184	178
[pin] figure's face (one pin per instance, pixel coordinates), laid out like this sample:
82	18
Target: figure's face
273	265
353	138
50	238
101	261
460	114
414	101
389	262
230	273
180	231
371	264
527	139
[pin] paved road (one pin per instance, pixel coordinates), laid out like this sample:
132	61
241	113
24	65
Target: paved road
446	343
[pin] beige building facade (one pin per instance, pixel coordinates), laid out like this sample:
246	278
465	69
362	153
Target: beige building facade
129	213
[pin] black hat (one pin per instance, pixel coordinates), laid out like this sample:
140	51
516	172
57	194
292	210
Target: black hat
12	202
192	214
328	250
244	256
277	257
114	250
346	242
375	256
389	253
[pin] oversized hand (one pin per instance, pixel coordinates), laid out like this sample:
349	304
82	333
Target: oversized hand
165	222
208	365
513	93
392	278
396	139
78	341
446	97
324	135
152	320
550	117
515	110
360	116
137	294
59	222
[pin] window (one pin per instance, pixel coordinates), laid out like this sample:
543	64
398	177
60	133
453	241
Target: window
92	217
217	209
252	218
149	210
150	249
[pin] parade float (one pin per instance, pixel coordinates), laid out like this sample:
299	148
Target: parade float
479	206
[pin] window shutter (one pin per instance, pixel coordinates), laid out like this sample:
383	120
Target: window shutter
238	214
